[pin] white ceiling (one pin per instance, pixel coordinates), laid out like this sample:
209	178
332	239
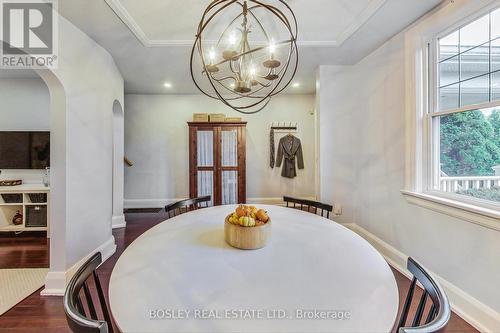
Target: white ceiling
151	40
153	20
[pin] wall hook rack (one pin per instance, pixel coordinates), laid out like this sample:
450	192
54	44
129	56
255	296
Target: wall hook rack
287	126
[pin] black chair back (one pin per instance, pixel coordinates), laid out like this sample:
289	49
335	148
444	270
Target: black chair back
312	206
187	205
77	314
439	313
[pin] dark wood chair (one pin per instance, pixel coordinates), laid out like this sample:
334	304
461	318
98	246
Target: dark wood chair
312	206
80	318
439	313
187	205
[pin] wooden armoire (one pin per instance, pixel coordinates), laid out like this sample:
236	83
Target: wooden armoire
217	161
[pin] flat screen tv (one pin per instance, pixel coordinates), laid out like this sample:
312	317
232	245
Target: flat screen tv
24	150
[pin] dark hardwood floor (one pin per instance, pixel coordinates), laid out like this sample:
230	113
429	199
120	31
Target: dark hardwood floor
25	250
46	314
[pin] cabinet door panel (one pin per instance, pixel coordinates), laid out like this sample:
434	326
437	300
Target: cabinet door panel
206	184
205	148
217	162
229	187
229	151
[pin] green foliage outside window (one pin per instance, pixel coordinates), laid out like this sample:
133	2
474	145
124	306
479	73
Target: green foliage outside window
470	143
491	194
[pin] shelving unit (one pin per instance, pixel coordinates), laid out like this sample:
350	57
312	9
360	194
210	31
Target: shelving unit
36	215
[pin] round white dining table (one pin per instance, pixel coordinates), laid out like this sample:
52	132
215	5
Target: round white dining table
314	275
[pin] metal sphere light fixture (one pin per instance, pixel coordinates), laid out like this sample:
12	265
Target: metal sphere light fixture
245	52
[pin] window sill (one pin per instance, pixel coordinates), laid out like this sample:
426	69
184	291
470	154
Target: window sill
485	217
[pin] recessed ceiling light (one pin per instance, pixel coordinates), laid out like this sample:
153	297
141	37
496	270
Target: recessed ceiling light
167	85
296	85
232	85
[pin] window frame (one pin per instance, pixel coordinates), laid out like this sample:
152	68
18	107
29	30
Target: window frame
430	120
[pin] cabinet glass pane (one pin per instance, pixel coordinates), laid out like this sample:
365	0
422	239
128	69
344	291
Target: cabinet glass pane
229	148
206	184
229	187
205	148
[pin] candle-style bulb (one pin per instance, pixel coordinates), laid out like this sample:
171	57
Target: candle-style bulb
232	38
211	55
272	47
252	71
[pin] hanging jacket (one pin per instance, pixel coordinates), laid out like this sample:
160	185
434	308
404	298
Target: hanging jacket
271	149
290	149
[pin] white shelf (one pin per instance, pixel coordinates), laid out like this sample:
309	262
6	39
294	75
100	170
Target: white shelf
25	188
8	210
21	228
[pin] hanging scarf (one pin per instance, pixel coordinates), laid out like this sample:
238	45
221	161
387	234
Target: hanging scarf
271	150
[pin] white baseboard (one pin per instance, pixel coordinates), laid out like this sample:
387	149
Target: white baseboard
148	203
266	201
478	314
157	203
118	222
55	282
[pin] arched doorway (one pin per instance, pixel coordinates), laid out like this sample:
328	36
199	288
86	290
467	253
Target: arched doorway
57	170
58	166
118	219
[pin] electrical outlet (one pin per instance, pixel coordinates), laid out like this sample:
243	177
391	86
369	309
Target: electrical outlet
337	209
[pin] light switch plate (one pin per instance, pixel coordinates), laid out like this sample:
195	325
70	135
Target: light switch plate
337	209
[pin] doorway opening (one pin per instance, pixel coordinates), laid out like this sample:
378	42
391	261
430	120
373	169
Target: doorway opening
118	218
25	127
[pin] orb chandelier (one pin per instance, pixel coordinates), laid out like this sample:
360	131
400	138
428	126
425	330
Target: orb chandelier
254	54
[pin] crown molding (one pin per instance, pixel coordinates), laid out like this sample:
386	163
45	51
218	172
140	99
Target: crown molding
123	14
360	20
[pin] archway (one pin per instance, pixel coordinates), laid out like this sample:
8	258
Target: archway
58	138
58	163
118	219
33	101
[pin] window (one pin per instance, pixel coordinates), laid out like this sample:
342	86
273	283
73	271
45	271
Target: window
465	112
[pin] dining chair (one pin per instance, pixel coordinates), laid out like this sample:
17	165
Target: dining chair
439	313
187	205
77	315
312	206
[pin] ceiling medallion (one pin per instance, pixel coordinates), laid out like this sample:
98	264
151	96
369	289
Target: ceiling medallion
253	56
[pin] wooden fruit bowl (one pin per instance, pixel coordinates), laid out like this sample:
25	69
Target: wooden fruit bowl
247	238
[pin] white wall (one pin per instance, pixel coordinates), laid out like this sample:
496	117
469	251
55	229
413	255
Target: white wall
336	139
25	106
365	103
156	140
82	89
92	83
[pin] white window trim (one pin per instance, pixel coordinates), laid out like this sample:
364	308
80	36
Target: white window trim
449	16
489	218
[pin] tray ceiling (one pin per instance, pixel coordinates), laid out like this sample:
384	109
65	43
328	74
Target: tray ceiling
173	22
150	40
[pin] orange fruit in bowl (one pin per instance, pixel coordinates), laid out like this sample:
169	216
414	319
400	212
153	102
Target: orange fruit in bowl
252	209
262	215
241	211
